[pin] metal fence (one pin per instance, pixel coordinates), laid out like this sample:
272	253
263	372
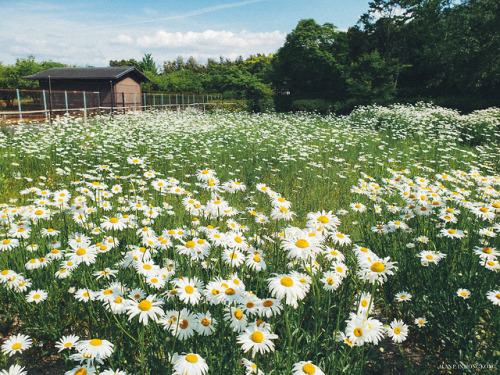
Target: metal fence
40	105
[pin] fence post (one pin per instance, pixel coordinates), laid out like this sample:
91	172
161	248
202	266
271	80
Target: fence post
135	101
84	106
19	105
45	105
66	100
154	101
162	107
144	96
182	101
177	101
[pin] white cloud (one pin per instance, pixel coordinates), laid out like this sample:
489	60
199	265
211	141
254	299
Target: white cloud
213	43
122	39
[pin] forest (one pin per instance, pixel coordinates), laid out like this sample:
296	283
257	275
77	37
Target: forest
404	51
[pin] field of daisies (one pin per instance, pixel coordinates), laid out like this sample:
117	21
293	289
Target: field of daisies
231	243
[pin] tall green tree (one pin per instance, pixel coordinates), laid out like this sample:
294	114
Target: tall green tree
306	63
147	64
371	79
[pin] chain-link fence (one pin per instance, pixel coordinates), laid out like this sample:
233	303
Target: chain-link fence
41	105
125	101
32	105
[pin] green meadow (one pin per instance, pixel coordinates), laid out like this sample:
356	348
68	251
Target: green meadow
235	243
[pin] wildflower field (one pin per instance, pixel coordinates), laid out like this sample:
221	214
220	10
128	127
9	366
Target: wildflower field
231	243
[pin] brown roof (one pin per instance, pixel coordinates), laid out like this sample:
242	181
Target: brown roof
114	72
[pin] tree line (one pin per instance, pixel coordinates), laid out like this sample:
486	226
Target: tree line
400	51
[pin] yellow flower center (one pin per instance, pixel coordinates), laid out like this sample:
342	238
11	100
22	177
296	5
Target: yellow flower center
113	220
184	324
339	269
267	303
452	231
6	242
358	332
81	252
189	289
286	281
145	305
191	358
230	291
68	345
397	330
430	257
205	322
95	342
190	244
323	219
238	314
302	243
256	259
340	235
238	240
309	369
257	337
81	371
38	212
364	303
16	346
330	281
147	266
107	292
378	267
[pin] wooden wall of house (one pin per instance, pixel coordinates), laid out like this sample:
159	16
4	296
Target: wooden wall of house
128	92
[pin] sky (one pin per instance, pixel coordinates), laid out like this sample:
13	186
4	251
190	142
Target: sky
91	33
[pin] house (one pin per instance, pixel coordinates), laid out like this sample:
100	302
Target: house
118	86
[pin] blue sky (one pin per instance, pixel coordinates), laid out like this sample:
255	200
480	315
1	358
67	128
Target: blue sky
93	32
